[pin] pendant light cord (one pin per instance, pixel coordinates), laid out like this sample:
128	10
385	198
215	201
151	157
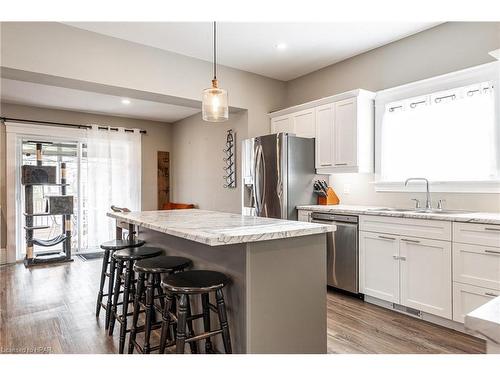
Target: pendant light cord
215	51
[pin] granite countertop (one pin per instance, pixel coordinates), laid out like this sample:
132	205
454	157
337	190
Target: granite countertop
465	217
219	228
485	320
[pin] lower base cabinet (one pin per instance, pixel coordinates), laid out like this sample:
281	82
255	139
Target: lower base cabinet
409	271
467	298
426	275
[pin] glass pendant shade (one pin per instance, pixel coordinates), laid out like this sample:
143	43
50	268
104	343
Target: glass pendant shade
215	106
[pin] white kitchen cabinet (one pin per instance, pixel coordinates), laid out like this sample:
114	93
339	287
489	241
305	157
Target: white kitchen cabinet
476	265
282	124
467	298
399	267
345	133
324	136
426	275
379	266
343	126
477	234
304	123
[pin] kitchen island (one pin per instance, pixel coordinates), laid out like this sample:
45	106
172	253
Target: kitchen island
276	300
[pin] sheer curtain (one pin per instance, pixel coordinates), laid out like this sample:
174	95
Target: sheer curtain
114	178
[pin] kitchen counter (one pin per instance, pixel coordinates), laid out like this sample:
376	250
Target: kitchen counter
466	217
219	228
485	321
276	299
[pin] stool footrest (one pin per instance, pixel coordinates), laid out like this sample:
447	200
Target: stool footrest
203	335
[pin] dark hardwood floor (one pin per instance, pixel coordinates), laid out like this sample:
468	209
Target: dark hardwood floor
50	309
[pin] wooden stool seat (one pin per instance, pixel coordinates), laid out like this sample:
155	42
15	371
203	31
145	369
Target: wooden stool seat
162	264
137	253
121	244
180	287
195	282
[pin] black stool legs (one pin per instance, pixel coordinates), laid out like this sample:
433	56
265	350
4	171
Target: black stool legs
135	317
116	294
105	262
206	321
109	304
129	274
221	309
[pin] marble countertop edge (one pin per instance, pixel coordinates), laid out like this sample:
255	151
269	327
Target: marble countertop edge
227	228
466	217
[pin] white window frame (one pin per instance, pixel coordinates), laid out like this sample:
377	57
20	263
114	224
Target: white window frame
481	73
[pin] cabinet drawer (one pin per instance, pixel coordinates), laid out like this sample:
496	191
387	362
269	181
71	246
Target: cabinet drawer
467	298
476	265
432	229
477	234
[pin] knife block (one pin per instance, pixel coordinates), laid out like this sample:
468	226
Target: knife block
330	199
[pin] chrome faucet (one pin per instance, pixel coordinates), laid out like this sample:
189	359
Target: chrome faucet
428	203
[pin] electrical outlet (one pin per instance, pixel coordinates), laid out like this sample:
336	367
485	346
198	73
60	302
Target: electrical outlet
347	188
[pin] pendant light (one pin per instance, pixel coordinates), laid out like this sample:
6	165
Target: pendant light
214	99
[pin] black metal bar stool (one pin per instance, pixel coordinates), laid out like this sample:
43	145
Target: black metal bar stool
149	272
180	286
110	247
126	258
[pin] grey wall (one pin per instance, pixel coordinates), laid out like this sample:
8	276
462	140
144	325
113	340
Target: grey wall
442	49
158	138
197	162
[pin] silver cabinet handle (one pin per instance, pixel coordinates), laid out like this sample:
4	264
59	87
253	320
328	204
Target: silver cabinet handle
491	294
402	258
340	163
492	252
387	238
407	240
326	165
395	257
493	229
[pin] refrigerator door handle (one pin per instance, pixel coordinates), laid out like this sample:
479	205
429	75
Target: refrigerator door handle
257	181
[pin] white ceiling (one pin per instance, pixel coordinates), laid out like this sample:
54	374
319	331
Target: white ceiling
252	46
38	95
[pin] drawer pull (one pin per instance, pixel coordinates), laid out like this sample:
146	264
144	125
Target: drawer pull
402	258
326	165
387	238
407	240
491	294
340	163
492	252
493	229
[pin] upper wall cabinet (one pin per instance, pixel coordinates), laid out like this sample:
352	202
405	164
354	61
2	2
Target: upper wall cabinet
343	126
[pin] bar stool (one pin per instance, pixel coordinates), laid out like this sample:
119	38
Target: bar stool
149	272
180	286
126	258
110	247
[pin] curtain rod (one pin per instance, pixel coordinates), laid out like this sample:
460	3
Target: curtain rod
65	124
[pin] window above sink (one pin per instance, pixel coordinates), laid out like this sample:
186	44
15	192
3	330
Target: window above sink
445	129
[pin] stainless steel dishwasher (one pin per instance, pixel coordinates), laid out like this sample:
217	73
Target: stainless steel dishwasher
342	250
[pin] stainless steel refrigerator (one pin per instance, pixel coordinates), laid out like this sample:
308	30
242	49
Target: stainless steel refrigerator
278	175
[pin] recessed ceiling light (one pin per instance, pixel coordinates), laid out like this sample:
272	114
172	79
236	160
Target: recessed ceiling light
125	101
281	46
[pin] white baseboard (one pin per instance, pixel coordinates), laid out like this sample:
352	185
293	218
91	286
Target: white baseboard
3	256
